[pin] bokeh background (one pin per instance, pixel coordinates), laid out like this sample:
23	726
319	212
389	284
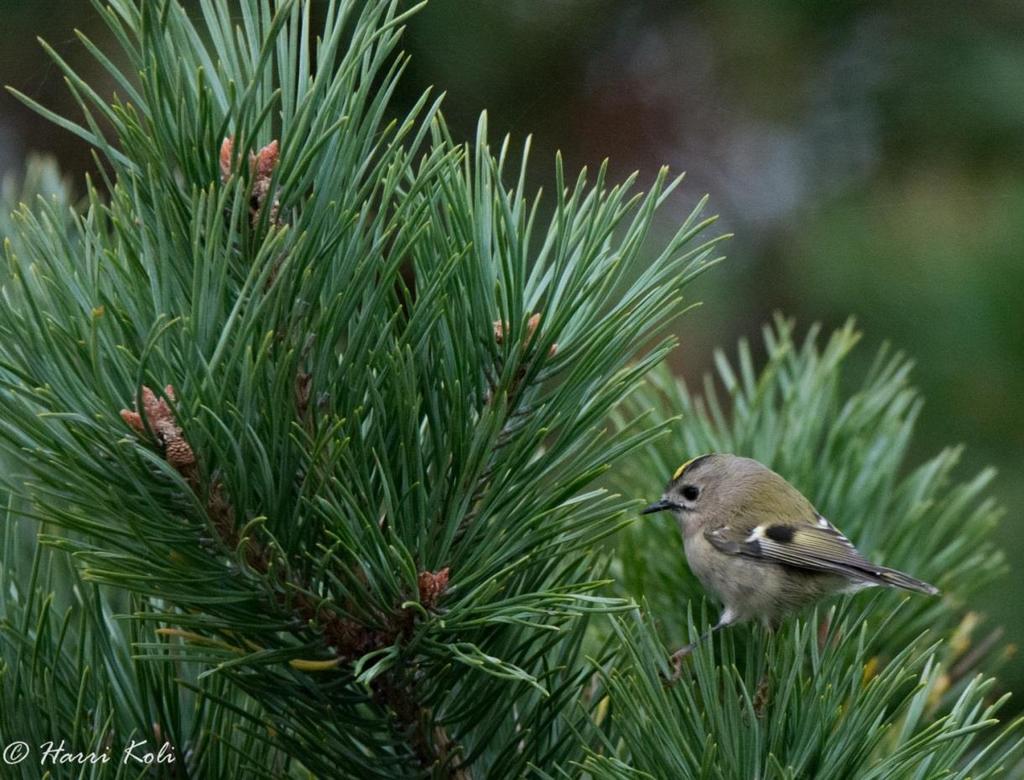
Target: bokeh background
868	157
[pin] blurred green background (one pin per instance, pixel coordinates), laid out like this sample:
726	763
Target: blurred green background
869	158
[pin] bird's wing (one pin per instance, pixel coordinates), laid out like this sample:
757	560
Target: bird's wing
818	546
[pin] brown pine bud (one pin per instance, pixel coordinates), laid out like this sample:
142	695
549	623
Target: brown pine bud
263	162
227	149
500	326
161	422
134	420
178	452
262	165
531	325
432	585
499	331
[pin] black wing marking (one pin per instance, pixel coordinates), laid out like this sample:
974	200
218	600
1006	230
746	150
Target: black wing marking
819	547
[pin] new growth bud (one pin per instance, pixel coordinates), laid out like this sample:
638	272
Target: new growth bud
160	419
261	168
432	585
500	326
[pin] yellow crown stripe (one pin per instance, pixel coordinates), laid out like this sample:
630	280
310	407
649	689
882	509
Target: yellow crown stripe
682	469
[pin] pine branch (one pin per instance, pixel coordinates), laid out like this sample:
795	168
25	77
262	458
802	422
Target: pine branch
363	506
69	678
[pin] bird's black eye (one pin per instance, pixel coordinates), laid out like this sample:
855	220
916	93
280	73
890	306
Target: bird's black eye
690	492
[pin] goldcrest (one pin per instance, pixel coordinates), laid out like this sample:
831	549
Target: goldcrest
759	546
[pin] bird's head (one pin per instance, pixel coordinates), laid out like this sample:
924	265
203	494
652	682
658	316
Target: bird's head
704	485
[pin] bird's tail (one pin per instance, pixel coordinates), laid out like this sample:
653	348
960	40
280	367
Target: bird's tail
897	579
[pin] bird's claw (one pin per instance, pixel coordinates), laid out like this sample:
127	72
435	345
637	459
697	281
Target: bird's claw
677	662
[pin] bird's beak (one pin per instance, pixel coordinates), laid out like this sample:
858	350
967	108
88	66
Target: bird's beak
657	506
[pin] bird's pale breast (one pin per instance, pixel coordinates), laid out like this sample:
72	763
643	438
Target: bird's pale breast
750	588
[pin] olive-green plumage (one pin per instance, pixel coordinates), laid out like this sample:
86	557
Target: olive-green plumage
759	546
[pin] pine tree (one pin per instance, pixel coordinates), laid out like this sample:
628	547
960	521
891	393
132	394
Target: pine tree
325	435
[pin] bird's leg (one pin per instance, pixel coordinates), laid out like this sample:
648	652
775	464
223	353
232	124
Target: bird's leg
762	694
728	617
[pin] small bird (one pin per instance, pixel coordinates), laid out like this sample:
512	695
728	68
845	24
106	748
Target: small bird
759	546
